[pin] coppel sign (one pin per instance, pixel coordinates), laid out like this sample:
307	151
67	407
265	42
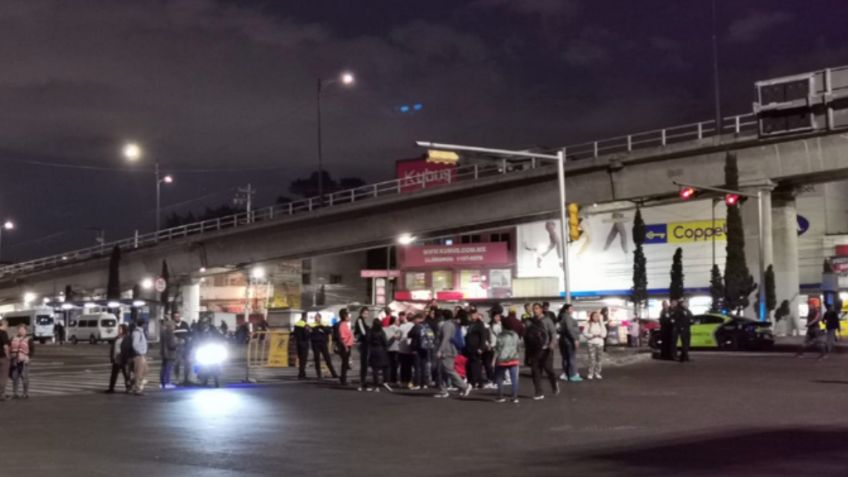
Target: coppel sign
686	232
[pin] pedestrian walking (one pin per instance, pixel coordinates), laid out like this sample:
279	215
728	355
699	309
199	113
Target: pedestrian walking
139	348
831	324
182	333
605	320
378	357
595	334
21	351
813	336
302	341
320	339
506	358
569	342
538	342
117	360
681	317
666	332
475	347
360	333
343	343
450	341
5	363
392	331
167	353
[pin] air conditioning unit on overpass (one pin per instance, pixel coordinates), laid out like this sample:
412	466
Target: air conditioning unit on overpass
804	102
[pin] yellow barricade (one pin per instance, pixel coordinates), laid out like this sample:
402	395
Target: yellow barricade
268	349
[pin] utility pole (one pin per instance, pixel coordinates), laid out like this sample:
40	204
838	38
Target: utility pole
245	197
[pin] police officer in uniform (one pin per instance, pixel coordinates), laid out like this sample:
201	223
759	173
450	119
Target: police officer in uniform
302	339
682	318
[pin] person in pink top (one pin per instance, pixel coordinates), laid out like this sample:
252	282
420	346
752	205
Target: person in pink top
344	343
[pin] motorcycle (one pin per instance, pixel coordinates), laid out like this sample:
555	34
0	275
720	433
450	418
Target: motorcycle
209	361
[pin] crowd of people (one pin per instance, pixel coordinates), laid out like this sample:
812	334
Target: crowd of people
453	350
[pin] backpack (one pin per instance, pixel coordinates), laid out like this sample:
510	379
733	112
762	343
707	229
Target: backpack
428	338
535	337
127	350
458	340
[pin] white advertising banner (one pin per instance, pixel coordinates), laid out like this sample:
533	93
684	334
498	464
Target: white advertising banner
601	261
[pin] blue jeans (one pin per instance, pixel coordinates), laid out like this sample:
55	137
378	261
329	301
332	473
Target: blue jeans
500	371
569	358
165	372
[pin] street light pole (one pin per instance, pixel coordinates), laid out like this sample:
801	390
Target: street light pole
7	225
761	287
320	146
158	195
560	160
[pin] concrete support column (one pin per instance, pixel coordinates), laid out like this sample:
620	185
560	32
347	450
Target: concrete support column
786	270
750	221
191	301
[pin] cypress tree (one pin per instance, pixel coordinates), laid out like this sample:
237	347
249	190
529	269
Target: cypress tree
738	282
716	289
640	277
675	290
113	286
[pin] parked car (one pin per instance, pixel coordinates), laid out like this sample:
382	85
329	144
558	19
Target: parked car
713	330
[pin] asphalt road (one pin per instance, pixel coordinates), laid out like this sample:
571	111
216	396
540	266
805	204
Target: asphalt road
723	414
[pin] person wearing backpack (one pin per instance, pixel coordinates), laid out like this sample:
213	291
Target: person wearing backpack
506	362
21	350
538	342
117	360
447	347
475	346
360	334
419	352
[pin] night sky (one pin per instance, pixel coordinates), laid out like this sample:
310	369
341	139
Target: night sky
222	93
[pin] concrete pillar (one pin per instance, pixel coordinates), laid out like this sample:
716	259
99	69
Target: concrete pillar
191	301
750	221
786	270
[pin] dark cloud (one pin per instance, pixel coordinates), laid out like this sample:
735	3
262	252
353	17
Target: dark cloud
754	24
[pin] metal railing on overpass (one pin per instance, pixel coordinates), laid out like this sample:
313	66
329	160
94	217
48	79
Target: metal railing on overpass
740	125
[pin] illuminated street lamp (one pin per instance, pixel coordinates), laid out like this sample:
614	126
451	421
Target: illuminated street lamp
133	152
346	78
406	239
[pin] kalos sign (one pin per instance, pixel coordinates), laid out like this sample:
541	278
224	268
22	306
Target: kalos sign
417	174
437	256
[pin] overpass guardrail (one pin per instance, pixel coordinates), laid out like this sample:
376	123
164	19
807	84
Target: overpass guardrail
740	125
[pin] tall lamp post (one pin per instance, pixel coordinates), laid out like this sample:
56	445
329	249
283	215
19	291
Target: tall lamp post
560	160
132	152
346	79
7	225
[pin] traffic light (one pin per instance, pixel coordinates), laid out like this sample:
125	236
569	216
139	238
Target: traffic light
687	193
731	199
575	231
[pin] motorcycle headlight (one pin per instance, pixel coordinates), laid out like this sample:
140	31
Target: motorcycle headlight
210	354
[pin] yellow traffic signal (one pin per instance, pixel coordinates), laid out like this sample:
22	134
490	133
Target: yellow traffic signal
575	231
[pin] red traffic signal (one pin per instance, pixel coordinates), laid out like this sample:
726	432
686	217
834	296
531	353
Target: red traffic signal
687	193
731	199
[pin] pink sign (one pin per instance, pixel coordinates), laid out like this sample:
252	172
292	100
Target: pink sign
379	273
473	254
417	174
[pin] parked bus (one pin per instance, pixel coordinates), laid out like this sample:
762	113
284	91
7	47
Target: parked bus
39	321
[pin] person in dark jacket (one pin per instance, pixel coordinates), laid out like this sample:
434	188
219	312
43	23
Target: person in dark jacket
569	341
167	352
378	355
831	323
320	338
475	347
360	334
302	340
182	332
117	360
539	342
682	319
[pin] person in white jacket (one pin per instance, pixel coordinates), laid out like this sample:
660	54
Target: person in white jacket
595	334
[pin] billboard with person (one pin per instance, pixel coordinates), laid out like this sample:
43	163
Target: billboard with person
602	259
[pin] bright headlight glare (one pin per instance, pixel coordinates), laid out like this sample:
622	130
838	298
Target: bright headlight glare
210	354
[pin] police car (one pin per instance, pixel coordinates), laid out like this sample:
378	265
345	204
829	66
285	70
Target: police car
714	330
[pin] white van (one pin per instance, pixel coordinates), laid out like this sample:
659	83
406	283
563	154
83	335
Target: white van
39	321
94	328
